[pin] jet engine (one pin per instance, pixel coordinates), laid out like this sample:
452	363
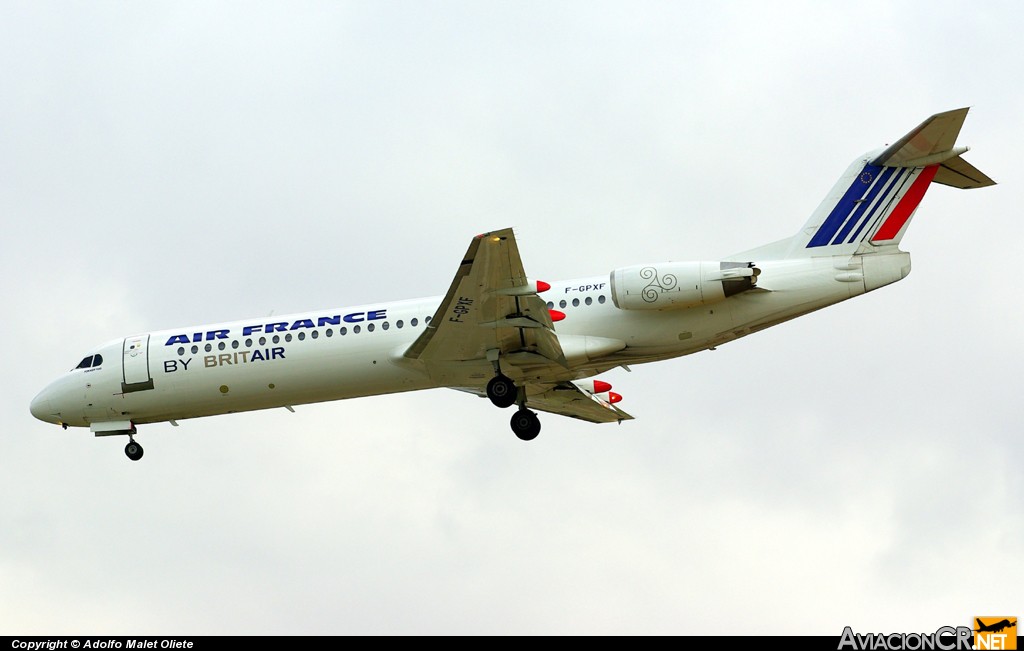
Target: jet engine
677	285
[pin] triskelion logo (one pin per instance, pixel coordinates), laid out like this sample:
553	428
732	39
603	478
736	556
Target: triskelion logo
995	632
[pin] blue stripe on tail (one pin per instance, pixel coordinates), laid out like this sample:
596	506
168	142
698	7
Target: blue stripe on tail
890	194
844	207
863	206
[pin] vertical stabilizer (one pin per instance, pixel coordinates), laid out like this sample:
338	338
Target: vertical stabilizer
871	205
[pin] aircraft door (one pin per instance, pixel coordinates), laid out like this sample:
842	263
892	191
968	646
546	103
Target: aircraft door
136	364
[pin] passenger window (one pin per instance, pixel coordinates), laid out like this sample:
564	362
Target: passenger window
181	351
551	305
355	330
314	334
414	322
399	324
589	301
248	343
209	347
385	325
302	337
276	339
263	341
329	333
221	346
575	302
427	320
195	349
288	337
600	299
342	331
234	343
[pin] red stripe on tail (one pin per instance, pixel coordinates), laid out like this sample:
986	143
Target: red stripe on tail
905	208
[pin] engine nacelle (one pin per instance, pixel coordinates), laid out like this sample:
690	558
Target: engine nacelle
676	285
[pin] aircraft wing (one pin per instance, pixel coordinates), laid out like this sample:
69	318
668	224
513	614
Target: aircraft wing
566	399
490	306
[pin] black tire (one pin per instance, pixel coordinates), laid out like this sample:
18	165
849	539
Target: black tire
502	391
525	424
133	451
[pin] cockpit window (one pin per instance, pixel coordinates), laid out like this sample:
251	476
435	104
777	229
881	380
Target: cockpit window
92	361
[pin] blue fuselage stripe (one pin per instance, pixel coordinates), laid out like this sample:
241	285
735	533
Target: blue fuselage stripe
844	207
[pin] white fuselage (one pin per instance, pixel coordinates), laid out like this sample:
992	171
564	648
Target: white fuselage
359	351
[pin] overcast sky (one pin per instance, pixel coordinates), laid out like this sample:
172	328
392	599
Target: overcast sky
165	164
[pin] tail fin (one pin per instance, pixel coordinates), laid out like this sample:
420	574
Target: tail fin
873	202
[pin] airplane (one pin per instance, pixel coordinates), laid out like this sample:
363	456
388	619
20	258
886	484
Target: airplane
996	627
529	343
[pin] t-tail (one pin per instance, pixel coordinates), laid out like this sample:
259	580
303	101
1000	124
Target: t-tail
871	206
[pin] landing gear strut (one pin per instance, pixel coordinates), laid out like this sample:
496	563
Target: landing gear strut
502	391
525	424
133	450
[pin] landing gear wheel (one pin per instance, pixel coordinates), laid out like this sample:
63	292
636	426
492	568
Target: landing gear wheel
525	424
133	451
502	391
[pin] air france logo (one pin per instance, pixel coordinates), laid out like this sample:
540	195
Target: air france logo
279	326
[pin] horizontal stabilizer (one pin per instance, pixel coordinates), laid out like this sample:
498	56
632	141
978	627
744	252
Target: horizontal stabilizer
933	142
935	135
958	173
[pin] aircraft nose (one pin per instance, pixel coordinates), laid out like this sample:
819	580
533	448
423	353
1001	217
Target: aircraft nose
42	407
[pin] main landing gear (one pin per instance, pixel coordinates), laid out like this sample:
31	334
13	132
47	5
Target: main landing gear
133	450
503	392
525	424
